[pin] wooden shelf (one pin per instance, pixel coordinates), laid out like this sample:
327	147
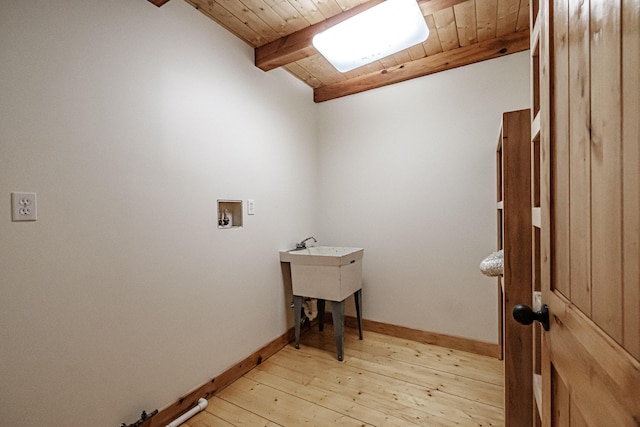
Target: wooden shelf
513	155
534	12
535	128
537	42
537	392
535	217
535	35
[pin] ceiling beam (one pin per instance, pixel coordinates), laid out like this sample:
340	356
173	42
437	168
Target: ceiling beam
488	49
158	2
297	46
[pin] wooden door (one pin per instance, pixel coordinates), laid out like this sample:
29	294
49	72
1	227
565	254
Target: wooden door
589	235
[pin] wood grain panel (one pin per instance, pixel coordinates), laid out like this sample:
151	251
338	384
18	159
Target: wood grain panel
580	148
432	45
416	52
631	174
561	400
588	376
523	16
494	48
207	419
431	6
328	8
545	380
348	4
266	13
602	375
298	45
288	13
486	12
229	21
545	136
446	26
382	381
281	32
535	82
465	15
543	234
577	419
425	337
261	10
388	357
389	61
389	395
560	149
517	223
317	65
308	10
507	17
402	57
289	377
470	376
229	413
248	18
292	19
278	406
606	162
304	75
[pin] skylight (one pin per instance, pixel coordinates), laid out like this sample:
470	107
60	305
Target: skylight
377	32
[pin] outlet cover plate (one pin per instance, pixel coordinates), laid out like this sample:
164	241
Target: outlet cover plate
23	207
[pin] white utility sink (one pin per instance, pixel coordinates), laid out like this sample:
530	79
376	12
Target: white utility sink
326	272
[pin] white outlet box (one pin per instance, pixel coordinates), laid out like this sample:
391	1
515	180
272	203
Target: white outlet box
23	207
251	207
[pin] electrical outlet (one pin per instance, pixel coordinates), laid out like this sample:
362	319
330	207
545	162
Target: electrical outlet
23	207
251	207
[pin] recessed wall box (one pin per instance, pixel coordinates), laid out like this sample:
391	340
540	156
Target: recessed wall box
229	213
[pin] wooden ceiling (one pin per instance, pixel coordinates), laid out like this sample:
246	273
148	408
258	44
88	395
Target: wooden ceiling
462	32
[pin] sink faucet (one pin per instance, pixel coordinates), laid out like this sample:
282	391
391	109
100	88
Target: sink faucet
303	244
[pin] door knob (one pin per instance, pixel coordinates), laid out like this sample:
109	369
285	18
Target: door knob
523	314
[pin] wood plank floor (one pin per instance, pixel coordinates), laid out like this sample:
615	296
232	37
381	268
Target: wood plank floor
383	381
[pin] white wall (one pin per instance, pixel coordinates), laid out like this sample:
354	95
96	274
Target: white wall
408	173
129	122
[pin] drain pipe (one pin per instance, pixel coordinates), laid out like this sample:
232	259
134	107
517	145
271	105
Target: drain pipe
202	403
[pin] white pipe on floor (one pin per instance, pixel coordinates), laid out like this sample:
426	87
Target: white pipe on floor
202	403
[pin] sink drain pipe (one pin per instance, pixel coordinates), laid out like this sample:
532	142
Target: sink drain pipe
202	403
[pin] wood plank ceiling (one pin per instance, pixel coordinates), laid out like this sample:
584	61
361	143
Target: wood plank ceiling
462	32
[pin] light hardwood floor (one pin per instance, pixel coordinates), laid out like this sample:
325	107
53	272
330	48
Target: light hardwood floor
383	381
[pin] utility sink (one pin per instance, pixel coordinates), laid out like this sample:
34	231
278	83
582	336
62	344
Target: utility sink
328	273
325	272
